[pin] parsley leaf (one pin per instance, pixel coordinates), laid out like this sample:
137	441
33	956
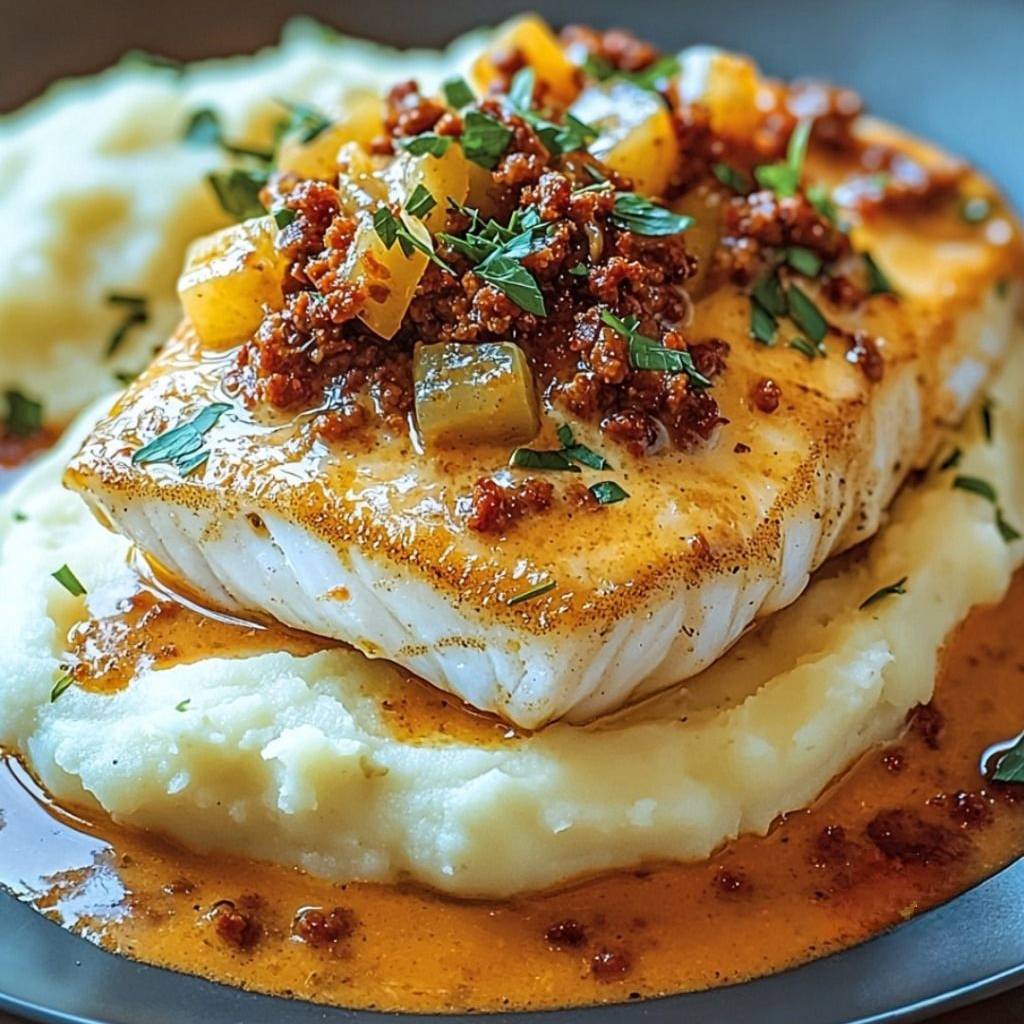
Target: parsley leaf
878	283
803	261
515	281
411	236
579	270
607	492
818	196
1006	531
731	178
810	350
24	415
975	485
182	445
633	212
283	216
421	202
568	137
528	458
427	144
580	452
1010	767
899	587
457	92
238	192
204	128
529	595
805	314
784	178
484	139
61	685
182	705
69	581
952	460
987	408
648	354
769	295
135	314
763	324
305	122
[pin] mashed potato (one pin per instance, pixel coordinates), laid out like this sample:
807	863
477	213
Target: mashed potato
99	193
287	758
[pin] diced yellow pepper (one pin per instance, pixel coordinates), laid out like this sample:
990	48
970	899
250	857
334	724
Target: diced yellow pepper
726	83
530	37
468	394
318	158
228	279
388	275
636	135
704	205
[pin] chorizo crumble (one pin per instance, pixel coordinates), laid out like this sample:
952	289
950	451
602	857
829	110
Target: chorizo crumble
584	259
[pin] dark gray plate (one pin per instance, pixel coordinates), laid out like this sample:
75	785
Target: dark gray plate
946	68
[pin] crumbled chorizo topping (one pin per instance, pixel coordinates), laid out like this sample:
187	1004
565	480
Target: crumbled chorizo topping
493	508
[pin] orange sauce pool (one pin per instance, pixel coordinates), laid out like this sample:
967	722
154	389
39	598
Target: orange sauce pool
908	827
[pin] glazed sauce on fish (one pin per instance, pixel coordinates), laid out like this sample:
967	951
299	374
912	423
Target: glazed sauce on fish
908	827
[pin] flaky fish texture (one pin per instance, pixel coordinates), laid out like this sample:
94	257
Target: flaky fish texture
366	540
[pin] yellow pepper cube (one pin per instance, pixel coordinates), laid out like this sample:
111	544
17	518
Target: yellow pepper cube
533	40
317	157
474	394
636	134
727	84
229	279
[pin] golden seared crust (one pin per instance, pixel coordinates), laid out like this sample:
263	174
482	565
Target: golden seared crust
691	516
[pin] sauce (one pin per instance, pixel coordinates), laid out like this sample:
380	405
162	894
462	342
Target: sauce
908	827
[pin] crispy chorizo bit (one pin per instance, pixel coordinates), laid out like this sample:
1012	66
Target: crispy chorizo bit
321	928
766	395
494	508
238	928
610	964
566	934
731	883
903	836
862	350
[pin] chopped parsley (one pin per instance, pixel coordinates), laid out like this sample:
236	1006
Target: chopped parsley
977	486
975	209
762	324
633	212
496	251
987	425
952	460
421	202
204	128
579	270
878	282
648	354
568	137
784	178
182	705
651	77
1006	531
284	216
810	350
136	313
529	595
69	581
803	261
183	445
806	315
731	178
768	294
457	92
820	198
153	61
484	138
427	144
411	235
238	192
1010	766
24	415
607	492
304	122
899	587
527	458
61	685
580	452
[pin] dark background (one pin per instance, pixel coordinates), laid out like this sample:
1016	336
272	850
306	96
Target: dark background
950	69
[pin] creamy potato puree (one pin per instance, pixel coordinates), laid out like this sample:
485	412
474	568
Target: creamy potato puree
99	193
291	758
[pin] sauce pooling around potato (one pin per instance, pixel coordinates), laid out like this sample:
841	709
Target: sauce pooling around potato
908	827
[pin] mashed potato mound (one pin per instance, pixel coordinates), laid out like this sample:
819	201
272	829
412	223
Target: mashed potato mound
100	193
287	758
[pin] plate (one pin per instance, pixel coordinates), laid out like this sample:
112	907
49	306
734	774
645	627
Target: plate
930	65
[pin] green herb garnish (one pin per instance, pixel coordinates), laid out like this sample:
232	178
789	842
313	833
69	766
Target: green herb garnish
427	144
24	415
204	128
987	425
769	295
238	192
633	212
411	235
649	78
784	178
820	198
283	216
484	139
182	705
803	261
304	122
568	137
527	458
762	324
457	92
421	202
61	685
976	486
1010	766
805	314
731	178
878	282
69	581
808	349
649	354
182	445
607	492
579	270
135	314
1006	531
529	595
952	460
580	452
899	587
154	61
